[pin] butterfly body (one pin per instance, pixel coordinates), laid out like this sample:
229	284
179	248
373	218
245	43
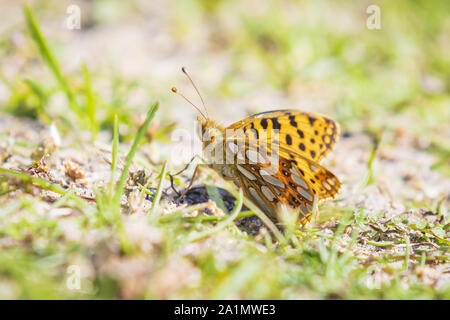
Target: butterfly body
274	156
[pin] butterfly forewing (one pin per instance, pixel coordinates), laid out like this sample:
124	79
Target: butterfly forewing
309	134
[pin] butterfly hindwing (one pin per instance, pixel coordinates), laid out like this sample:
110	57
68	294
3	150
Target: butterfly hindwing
322	181
268	191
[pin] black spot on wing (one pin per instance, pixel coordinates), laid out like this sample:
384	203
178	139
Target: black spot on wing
275	124
300	133
311	120
264	123
302	146
326	139
292	121
288	139
253	130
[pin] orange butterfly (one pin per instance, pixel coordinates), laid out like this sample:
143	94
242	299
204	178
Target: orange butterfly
274	156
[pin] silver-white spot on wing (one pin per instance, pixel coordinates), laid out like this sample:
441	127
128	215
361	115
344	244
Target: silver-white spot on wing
256	196
255	157
240	158
268	193
326	185
271	179
246	173
303	210
304	194
299	180
233	147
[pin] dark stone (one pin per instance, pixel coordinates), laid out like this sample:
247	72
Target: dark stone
199	194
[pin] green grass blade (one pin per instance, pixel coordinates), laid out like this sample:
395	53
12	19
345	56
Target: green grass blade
223	224
157	197
132	152
407	254
115	147
48	57
213	193
380	243
261	215
369	176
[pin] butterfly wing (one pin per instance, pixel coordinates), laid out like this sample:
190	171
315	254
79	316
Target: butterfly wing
302	140
321	180
306	133
283	167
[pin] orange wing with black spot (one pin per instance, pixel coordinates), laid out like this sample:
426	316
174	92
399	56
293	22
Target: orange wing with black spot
308	134
295	182
301	140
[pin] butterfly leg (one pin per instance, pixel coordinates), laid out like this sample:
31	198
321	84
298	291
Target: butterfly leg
172	186
189	185
178	173
187	166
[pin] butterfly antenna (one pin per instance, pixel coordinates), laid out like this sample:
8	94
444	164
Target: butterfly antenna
175	90
195	87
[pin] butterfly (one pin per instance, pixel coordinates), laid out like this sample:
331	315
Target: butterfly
274	156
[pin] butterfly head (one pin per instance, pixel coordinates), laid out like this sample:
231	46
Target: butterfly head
210	131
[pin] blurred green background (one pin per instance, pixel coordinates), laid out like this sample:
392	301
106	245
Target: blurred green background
245	56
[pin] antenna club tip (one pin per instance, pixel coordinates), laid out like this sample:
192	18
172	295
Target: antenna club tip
174	89
183	69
